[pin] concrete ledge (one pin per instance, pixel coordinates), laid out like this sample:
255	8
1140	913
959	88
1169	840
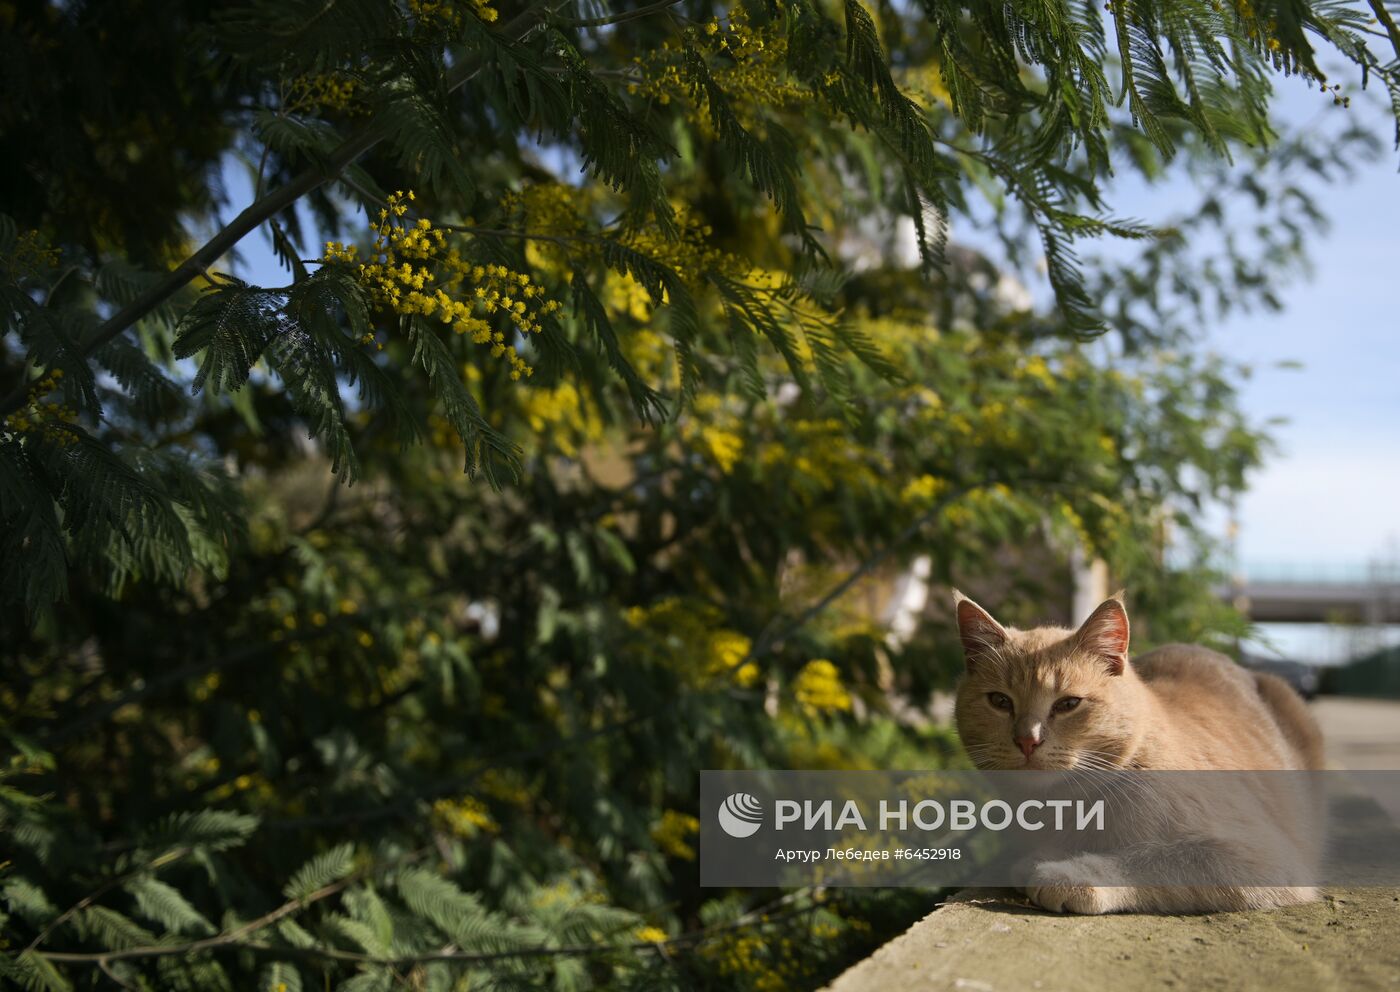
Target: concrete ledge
995	941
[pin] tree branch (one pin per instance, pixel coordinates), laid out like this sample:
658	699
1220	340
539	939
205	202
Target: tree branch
767	641
154	865
270	204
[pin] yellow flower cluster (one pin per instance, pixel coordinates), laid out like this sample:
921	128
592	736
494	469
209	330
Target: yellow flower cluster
751	68
672	833
658	79
30	255
651	355
324	91
256	784
560	211
1269	40
923	491
723	446
764	963
924	85
728	649
413	270
42	417
651	935
551	207
484	10
562	415
691	255
465	817
504	786
689	635
557	212
714	431
1038	369
445	13
818	688
561	216
1003	408
977	505
621	294
819	453
1076	524
760	59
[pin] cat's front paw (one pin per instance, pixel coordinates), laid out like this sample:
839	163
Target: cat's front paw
1064	886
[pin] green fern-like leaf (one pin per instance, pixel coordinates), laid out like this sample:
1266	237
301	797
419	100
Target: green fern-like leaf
325	868
207	829
33	556
164	904
458	915
279	976
232	325
37	973
109	928
646	402
488	451
27	901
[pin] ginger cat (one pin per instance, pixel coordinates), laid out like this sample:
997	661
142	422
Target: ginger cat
1053	698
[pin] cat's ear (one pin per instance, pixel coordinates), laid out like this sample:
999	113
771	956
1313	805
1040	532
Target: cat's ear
981	635
1105	634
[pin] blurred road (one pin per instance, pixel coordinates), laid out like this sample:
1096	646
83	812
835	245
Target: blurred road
1360	733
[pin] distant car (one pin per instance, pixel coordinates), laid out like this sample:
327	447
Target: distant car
1303	678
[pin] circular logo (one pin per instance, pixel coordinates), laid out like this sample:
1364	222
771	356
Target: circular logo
741	815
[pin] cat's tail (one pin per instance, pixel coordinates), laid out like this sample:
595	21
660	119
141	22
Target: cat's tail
1291	714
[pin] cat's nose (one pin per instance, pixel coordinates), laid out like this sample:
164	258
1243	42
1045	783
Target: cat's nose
1028	744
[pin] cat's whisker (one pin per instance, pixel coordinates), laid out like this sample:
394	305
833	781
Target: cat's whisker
1092	777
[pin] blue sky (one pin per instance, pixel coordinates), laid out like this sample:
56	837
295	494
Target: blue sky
1326	500
1329	494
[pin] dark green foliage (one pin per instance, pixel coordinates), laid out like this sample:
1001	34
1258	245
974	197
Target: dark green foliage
265	729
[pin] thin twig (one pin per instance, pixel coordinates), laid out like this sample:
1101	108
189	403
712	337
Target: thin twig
631	15
766	641
169	857
489	232
234	937
262	167
53	289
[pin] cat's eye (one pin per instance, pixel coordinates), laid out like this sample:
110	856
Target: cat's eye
1000	700
1066	704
